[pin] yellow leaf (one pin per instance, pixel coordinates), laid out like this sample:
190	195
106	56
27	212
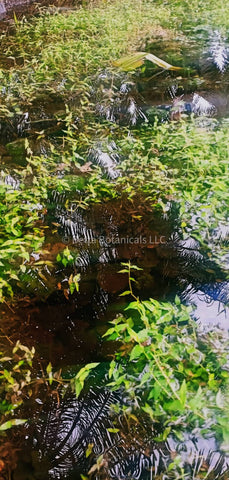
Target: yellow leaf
131	62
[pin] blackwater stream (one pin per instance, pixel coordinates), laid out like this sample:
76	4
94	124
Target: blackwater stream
67	331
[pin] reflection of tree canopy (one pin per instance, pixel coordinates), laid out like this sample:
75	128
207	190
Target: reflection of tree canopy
76	429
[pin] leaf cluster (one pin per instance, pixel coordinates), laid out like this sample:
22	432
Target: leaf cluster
168	369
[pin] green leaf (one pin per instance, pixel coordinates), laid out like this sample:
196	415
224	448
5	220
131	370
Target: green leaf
149	411
49	368
81	377
25	255
173	406
183	393
78	387
177	300
111	369
109	332
136	352
89	449
163	436
11	423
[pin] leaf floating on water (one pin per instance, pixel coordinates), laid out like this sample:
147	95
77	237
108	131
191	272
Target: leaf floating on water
135	60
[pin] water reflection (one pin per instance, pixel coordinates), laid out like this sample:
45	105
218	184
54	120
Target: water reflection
102	238
201	106
66	439
219	50
10	180
107	157
211	304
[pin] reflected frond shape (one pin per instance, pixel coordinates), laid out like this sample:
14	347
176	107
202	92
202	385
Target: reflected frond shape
70	437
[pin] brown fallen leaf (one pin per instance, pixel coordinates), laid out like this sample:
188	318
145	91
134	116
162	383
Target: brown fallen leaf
66	293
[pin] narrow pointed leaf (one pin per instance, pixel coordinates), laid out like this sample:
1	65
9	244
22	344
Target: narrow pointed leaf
160	63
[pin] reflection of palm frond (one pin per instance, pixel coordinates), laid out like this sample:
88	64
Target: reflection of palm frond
64	434
129	452
218	291
189	265
62	438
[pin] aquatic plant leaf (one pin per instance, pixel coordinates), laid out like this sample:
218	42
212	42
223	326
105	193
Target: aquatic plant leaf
137	59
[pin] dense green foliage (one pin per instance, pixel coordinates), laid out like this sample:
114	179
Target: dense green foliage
170	370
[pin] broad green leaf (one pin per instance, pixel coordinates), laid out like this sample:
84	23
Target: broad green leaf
81	377
160	63
177	300
78	386
49	368
173	406
137	59
109	332
136	352
149	410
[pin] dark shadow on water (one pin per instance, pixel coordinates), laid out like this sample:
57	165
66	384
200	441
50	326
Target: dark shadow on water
67	329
